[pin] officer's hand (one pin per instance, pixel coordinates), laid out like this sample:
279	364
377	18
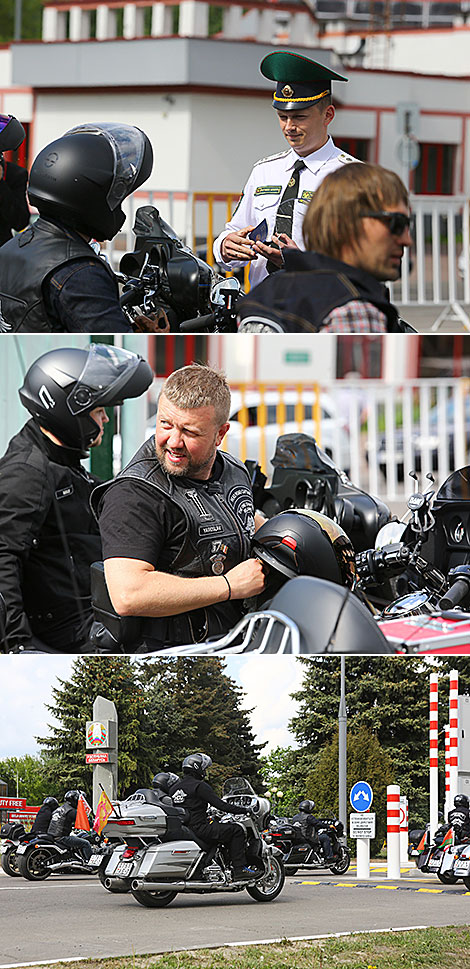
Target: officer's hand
274	253
246	579
237	246
154	323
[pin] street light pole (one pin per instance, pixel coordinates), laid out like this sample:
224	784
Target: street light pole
342	748
18	17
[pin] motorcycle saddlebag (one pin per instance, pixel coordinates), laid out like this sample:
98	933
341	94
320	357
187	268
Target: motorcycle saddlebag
12	830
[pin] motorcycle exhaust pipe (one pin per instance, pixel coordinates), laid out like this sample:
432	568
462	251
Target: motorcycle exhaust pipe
107	883
139	884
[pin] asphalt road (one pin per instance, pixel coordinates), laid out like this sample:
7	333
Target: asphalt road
74	917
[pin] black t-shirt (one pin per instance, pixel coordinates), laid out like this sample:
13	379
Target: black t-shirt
196	796
151	530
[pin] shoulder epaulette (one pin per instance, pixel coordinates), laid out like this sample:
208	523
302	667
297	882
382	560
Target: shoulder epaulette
270	158
345	159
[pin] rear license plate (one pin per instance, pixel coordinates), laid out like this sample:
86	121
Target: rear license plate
21	849
461	867
95	860
123	869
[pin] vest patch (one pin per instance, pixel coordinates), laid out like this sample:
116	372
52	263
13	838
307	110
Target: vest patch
241	500
211	529
268	190
64	492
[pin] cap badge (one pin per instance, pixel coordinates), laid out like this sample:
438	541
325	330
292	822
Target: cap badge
287	91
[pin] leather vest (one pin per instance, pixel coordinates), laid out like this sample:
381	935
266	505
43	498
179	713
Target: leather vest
311	285
219	518
62	821
25	263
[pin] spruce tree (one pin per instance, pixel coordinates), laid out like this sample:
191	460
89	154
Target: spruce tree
64	749
199	708
388	696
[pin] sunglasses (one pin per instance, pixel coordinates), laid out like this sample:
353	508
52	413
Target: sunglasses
397	222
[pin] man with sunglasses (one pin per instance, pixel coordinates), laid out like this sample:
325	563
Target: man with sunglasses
14	211
356	230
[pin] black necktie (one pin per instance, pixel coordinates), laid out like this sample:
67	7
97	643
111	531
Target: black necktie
285	212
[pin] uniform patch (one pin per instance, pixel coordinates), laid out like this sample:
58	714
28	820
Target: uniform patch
344	159
268	190
306	196
240	500
211	529
64	492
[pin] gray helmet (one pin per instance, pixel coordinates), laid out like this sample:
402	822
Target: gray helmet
164	780
52	801
307	806
62	386
197	764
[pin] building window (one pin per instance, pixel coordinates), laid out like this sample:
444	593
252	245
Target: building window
435	173
358	147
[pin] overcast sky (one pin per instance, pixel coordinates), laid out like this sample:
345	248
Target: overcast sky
27	681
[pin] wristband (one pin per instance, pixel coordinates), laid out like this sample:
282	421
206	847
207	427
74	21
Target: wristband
229	588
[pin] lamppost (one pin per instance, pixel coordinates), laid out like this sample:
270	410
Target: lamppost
342	747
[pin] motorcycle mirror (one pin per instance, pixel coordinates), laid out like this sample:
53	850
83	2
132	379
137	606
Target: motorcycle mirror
390	534
224	291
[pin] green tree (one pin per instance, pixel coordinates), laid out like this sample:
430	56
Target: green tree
366	760
196	706
26	776
31	20
64	749
390	697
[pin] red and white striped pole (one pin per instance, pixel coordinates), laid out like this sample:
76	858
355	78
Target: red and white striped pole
453	735
433	761
447	761
393	831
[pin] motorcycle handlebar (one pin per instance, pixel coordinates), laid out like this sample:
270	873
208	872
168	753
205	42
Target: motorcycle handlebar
130	296
454	595
198	323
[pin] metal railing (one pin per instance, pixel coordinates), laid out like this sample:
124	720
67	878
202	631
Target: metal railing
378	431
437	270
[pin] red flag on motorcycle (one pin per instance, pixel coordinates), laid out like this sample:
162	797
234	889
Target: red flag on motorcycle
449	838
422	844
81	819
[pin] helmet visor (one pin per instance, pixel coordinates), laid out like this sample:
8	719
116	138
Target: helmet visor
104	375
128	147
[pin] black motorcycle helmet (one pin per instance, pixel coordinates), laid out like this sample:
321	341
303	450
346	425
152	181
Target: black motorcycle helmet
12	133
164	780
307	806
82	178
72	797
52	801
63	386
304	542
197	764
461	801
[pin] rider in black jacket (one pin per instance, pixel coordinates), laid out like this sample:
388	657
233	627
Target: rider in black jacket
195	794
62	823
51	278
459	817
310	825
44	815
14	211
356	230
48	535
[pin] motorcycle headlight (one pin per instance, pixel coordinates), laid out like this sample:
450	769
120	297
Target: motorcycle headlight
189	279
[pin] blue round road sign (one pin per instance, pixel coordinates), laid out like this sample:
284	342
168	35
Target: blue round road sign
361	796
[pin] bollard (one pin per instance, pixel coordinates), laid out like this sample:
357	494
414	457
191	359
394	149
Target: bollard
433	752
453	734
393	831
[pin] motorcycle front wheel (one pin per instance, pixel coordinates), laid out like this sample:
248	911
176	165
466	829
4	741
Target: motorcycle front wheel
269	887
341	866
447	877
32	865
153	899
9	862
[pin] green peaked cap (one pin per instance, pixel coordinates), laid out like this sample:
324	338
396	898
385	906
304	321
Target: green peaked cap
287	66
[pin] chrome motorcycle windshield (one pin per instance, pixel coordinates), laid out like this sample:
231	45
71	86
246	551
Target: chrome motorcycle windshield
456	487
237	785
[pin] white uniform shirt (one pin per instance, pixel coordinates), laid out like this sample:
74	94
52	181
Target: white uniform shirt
264	190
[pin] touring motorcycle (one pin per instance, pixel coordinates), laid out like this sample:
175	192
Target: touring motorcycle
12	834
163	857
307	853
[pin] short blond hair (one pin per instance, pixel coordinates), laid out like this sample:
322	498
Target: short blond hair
199	385
333	219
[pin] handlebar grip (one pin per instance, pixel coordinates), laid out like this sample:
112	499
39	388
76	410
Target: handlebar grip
199	323
454	595
130	296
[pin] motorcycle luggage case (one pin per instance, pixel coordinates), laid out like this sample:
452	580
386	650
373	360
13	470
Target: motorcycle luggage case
12	830
137	818
174	859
